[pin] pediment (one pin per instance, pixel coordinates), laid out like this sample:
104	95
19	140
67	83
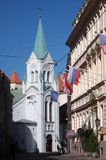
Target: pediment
32	89
32	58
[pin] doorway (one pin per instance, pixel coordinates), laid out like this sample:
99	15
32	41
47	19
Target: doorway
49	143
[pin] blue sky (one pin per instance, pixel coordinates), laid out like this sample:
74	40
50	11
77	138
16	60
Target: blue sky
18	26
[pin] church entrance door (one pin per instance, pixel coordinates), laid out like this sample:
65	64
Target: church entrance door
49	143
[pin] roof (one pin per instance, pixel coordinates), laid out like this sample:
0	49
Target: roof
15	79
40	48
25	121
17	93
87	12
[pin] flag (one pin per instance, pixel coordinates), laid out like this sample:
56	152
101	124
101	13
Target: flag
77	76
63	84
73	76
54	96
60	83
70	74
102	39
68	85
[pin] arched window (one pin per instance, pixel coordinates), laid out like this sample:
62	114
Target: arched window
46	111
48	76
50	112
44	74
32	76
36	76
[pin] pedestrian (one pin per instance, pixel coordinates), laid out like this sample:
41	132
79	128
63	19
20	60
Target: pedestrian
65	146
59	148
62	146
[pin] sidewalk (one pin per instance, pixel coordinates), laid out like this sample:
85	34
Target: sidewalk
78	157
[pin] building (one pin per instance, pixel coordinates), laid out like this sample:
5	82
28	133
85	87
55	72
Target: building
62	116
88	101
16	83
5	115
35	115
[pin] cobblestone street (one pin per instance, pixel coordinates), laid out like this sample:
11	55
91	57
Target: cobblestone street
51	156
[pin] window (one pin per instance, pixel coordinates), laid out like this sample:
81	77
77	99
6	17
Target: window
80	102
46	111
36	76
50	112
101	115
48	76
32	76
44	78
49	127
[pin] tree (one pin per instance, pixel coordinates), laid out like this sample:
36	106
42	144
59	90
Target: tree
90	142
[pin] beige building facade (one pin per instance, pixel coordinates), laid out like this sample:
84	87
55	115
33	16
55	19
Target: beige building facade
88	101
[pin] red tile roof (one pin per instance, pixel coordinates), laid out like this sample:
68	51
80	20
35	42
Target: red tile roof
15	79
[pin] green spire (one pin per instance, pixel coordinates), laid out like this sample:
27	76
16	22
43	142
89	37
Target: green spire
40	48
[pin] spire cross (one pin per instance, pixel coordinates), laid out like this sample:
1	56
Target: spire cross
40	11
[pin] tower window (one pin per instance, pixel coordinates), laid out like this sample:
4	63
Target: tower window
44	74
48	76
36	76
32	76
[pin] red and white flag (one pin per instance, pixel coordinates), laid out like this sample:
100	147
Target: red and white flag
68	85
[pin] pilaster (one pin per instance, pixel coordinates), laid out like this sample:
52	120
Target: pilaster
104	114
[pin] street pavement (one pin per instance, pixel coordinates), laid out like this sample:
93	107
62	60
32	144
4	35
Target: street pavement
51	156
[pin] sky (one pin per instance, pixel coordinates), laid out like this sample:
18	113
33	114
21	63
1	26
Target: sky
18	27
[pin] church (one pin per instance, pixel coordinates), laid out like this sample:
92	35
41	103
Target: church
35	115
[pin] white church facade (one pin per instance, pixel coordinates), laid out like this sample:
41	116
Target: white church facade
35	115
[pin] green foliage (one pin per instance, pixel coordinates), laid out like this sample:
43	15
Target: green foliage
90	142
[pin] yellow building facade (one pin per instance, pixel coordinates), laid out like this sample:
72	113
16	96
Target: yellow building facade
88	100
